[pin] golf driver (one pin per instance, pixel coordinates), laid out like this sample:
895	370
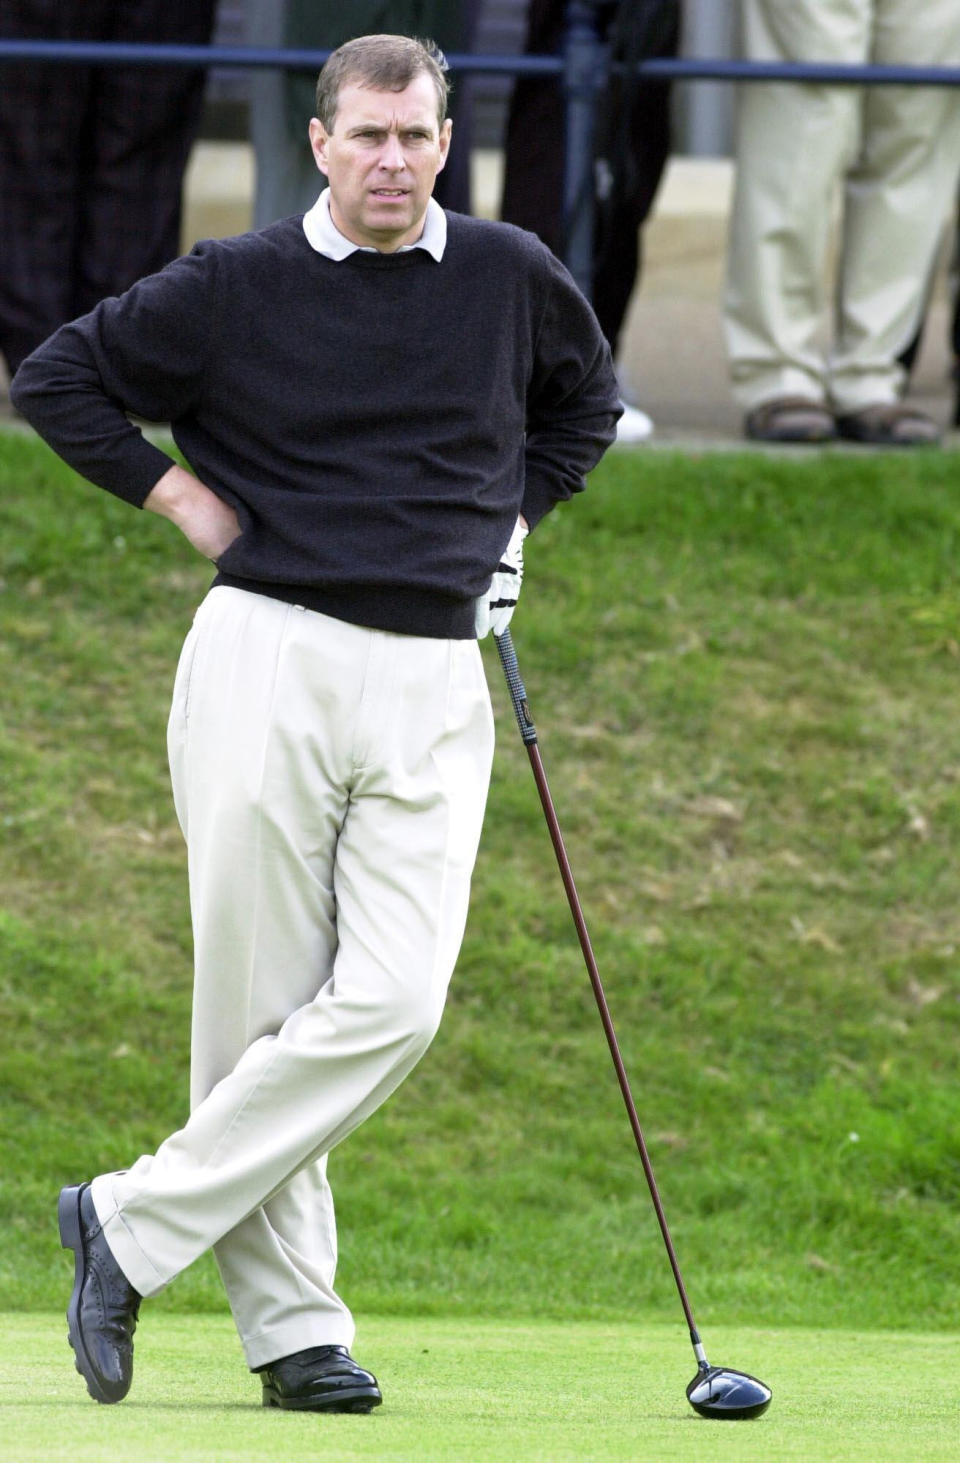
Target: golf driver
715	1391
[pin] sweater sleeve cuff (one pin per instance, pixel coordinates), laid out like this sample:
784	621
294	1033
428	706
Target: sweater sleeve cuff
537	501
146	467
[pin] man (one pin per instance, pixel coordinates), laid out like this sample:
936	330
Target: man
376	400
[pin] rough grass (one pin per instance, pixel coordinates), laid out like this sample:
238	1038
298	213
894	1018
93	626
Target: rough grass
744	672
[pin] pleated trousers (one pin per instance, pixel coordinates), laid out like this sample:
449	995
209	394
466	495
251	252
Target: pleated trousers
330	781
895	154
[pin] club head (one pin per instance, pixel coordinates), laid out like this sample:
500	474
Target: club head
720	1392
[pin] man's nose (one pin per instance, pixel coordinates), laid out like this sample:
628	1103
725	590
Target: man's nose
391	155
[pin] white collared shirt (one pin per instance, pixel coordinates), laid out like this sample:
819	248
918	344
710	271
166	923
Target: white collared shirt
324	236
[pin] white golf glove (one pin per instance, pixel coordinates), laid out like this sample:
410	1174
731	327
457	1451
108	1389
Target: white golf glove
493	609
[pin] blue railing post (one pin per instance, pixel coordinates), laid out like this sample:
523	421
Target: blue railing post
584	57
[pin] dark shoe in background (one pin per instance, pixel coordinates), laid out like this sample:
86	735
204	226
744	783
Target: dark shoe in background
103	1309
790	419
321	1379
889	424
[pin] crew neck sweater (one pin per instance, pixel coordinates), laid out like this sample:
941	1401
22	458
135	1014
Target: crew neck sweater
376	422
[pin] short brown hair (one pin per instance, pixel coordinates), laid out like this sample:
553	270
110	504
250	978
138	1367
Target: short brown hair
383	63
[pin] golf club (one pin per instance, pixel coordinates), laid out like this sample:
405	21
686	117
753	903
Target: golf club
717	1392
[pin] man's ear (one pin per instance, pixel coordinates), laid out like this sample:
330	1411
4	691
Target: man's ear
446	131
318	143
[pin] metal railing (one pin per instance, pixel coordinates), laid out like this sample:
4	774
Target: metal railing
583	69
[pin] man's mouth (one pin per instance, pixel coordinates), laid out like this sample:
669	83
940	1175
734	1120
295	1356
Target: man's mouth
389	192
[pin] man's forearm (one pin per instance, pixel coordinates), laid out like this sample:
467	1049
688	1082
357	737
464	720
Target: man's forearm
207	521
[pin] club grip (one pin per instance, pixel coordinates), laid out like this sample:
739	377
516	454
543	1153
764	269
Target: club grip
518	695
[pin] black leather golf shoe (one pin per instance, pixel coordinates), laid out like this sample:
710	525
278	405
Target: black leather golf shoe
102	1314
321	1379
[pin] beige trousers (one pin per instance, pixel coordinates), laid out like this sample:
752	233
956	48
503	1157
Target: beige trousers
895	151
330	781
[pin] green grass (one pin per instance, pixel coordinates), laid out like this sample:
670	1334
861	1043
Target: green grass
529	1392
744	671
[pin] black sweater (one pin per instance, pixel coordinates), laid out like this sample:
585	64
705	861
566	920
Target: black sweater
377	423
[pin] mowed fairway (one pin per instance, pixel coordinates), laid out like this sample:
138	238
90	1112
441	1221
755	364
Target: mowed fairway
745	672
461	1391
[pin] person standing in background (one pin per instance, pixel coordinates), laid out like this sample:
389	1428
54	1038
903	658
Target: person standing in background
895	151
633	143
92	160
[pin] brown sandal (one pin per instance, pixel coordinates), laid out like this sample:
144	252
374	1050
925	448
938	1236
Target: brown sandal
889	424
790	419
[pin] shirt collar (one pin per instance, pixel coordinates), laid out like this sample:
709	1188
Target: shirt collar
324	236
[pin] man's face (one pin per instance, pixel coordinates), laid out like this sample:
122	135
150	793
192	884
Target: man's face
381	161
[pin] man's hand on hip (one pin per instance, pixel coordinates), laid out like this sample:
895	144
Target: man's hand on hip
496	606
207	521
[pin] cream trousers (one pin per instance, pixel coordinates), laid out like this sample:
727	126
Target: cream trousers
896	153
330	781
